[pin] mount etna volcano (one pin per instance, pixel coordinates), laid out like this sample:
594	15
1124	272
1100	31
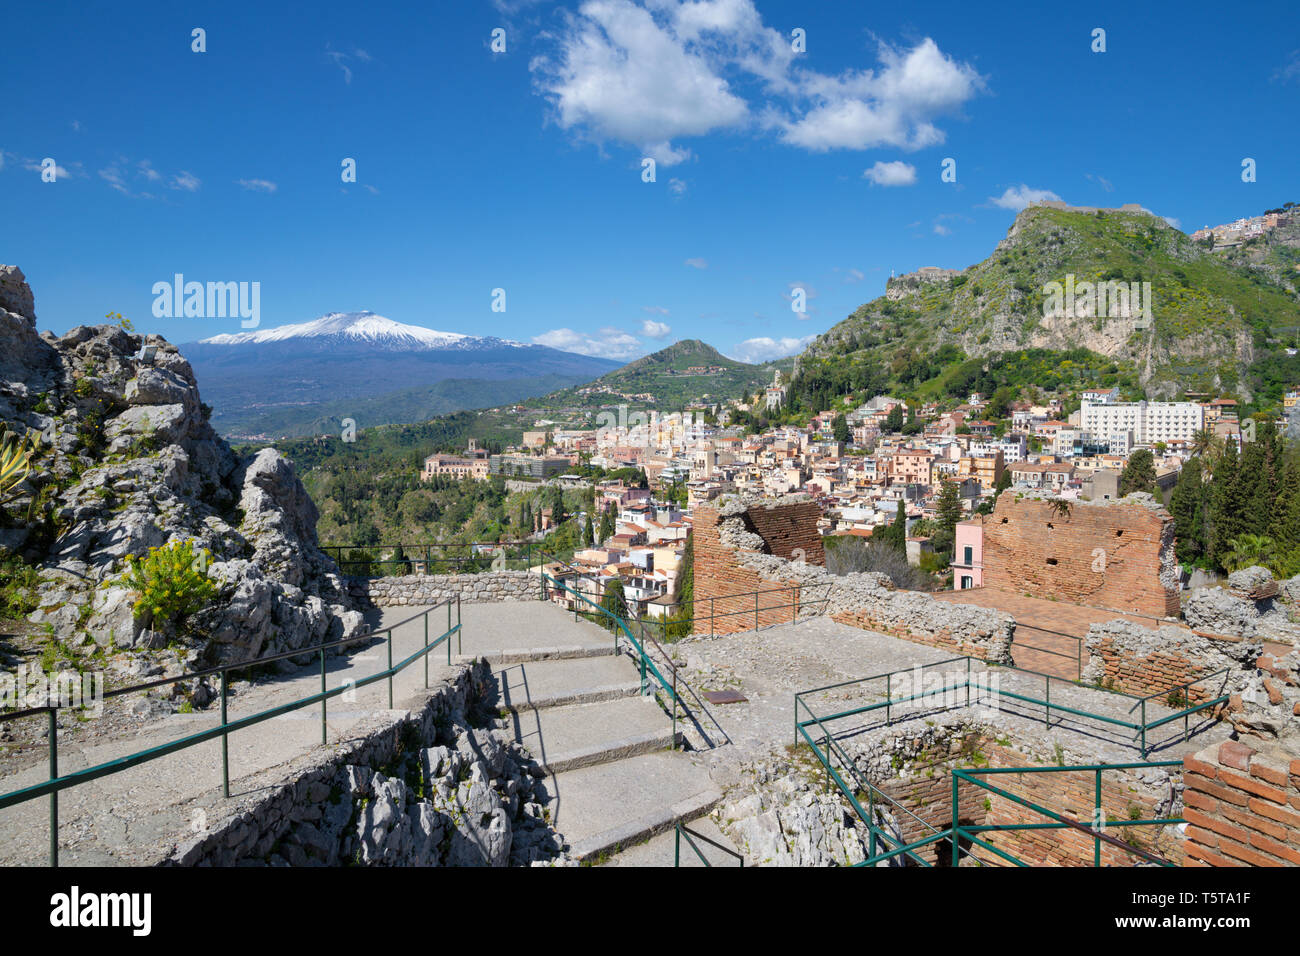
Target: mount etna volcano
305	378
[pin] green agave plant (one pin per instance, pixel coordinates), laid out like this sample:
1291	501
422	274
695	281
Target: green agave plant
16	453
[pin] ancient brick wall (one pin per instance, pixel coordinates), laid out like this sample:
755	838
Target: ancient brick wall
724	602
927	793
1136	660
1072	794
929	626
1243	805
1116	555
928	799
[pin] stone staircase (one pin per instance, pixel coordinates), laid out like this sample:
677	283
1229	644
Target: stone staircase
575	703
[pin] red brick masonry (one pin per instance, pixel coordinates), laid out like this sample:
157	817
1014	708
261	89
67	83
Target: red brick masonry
1103	555
1243	805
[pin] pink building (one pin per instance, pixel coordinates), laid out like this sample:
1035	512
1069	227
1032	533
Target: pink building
968	559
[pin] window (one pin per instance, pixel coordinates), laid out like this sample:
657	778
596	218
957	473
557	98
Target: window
967	553
966	582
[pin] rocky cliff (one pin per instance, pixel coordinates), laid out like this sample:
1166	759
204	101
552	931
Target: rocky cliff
129	461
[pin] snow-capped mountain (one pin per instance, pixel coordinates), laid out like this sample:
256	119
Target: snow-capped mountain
295	379
367	327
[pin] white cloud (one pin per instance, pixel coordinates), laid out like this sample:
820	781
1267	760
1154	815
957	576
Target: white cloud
186	181
621	75
697	263
654	309
891	174
649	73
341	59
1101	181
259	185
1018	197
655	330
894	106
941	230
369	188
676	186
855	275
145	168
765	349
112	175
606	343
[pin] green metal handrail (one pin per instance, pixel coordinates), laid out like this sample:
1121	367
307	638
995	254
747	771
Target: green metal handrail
57	783
972	775
336	551
1139	729
691	836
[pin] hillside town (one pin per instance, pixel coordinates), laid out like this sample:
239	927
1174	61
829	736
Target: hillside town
863	464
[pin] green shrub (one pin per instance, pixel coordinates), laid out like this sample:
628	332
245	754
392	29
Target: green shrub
170	583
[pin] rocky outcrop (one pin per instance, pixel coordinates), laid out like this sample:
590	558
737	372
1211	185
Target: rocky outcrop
781	819
129	461
437	785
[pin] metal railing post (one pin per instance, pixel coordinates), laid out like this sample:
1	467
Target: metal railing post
1048	702
460	648
225	736
390	668
54	794
426	624
967	681
956	861
674	706
426	650
889	697
1144	728
1097	824
323	702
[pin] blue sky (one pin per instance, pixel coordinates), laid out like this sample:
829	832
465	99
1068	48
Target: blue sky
522	170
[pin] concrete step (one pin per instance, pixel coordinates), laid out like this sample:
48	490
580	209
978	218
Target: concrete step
662	849
522	655
558	682
580	735
603	808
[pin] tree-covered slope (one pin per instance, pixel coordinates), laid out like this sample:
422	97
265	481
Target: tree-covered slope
1215	323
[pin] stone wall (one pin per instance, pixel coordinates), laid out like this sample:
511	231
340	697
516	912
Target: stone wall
422	589
1143	661
1243	805
429	785
1116	554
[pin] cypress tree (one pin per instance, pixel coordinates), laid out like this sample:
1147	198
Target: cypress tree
1186	506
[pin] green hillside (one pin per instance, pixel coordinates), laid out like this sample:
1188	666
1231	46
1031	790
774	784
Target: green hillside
1217	325
668	376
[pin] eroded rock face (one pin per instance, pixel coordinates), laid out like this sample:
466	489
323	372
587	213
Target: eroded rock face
129	462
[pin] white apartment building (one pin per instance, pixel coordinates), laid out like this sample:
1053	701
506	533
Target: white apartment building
1150	422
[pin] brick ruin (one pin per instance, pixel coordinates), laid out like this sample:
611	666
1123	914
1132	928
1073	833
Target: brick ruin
1116	554
785	529
1242	797
922	785
1243	805
747	545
